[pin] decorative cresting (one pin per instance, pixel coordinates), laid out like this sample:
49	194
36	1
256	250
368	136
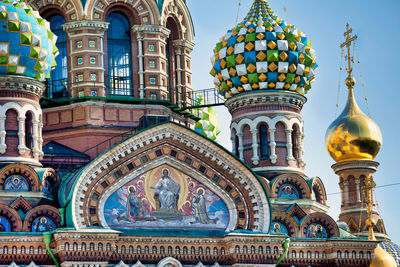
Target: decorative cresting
263	52
353	135
251	195
27	46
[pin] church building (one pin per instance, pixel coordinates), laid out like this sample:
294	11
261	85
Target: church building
108	154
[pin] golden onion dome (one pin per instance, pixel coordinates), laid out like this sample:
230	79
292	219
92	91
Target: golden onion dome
382	258
353	135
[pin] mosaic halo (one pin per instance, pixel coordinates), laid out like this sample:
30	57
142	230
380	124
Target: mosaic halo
27	46
263	52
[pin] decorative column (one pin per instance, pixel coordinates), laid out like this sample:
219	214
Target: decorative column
300	149
289	145
255	146
40	140
35	139
139	37
178	54
183	49
240	148
86	57
3	145
233	140
341	185
358	193
21	135
272	145
346	191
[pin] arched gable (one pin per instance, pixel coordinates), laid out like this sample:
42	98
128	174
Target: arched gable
322	219
319	190
293	179
288	221
182	149
181	14
169	261
71	10
25	171
39	211
12	217
145	10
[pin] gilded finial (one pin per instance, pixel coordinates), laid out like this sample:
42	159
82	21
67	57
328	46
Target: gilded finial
368	190
349	40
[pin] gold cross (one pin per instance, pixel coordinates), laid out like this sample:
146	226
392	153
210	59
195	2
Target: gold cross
349	40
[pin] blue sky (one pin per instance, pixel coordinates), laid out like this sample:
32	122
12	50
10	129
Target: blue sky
324	23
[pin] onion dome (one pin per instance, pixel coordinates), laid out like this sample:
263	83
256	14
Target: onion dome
382	258
263	53
27	46
393	249
353	135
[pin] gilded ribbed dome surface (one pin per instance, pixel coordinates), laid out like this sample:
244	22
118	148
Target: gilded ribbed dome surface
263	52
27	46
353	135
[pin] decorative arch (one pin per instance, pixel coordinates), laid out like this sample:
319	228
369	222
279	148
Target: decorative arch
170	143
322	219
23	170
286	220
318	188
293	179
40	211
71	10
51	177
12	217
145	11
169	262
180	12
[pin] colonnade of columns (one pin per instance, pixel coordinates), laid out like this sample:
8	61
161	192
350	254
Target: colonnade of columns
238	148
346	192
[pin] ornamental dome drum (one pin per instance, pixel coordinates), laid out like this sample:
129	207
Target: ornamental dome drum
27	46
263	53
353	135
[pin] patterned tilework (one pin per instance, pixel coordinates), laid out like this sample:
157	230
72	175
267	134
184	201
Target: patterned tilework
392	249
208	125
27	46
263	52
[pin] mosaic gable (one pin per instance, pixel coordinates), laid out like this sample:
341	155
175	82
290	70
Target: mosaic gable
165	198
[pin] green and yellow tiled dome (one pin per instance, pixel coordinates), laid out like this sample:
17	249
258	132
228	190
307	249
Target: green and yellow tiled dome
263	53
27	46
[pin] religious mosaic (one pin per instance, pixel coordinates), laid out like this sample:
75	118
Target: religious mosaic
316	231
16	183
4	225
278	228
167	198
43	224
288	191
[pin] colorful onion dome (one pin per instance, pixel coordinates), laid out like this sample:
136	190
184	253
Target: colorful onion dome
27	46
263	53
353	135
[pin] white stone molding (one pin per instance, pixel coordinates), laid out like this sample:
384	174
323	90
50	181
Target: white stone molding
289	146
208	150
272	145
121	264
220	192
138	264
21	135
3	145
255	158
35	139
169	261
240	147
85	25
20	83
358	193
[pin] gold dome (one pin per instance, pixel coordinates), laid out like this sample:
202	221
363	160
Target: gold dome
382	258
353	135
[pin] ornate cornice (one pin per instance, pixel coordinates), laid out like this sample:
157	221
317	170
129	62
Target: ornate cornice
151	29
22	83
85	24
254	98
369	166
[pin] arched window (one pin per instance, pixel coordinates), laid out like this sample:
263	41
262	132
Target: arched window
263	141
28	130
293	254
222	251
171	60
260	250
169	250
177	250
295	141
354	255
361	255
119	55
162	250
237	249
339	254
268	250
276	251
58	82
245	249
185	250
215	251
208	251
201	252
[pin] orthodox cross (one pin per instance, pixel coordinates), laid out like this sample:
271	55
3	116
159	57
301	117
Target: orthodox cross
349	40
